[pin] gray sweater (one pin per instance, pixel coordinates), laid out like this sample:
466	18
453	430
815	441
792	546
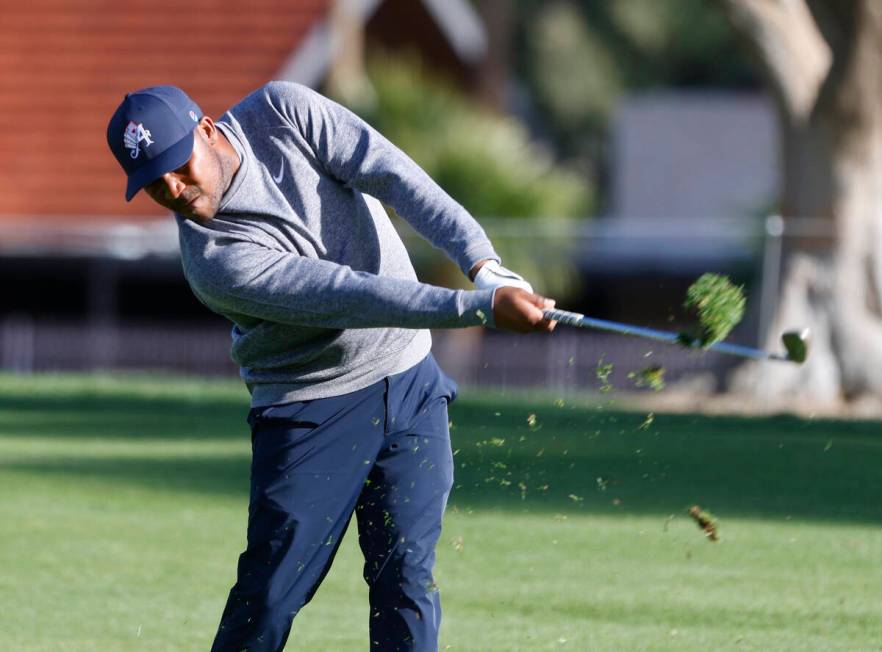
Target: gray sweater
304	261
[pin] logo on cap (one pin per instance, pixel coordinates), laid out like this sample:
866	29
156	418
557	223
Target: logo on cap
134	135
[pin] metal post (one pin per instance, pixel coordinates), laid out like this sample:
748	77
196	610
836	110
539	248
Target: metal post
102	314
771	275
17	348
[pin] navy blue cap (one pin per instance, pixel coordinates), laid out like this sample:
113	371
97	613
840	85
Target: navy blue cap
151	133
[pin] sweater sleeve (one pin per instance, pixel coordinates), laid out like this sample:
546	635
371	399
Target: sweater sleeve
242	277
350	150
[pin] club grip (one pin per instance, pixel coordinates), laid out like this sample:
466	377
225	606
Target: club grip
564	317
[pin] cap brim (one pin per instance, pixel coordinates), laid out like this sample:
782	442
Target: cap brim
171	159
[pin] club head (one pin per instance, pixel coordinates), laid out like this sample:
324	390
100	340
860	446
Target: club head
796	343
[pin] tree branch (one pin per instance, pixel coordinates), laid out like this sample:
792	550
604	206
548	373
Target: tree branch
789	46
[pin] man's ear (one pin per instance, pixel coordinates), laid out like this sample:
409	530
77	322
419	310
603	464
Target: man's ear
208	129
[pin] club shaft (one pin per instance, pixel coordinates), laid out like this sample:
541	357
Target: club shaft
581	321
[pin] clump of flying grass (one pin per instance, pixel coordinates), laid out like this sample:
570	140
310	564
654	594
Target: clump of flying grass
603	371
706	521
717	304
652	376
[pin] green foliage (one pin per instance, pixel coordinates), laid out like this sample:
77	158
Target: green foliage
718	306
486	161
681	43
542	250
580	56
577	77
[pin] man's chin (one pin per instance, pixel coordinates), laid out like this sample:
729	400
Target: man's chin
199	211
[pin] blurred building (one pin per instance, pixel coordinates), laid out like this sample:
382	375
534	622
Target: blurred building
699	156
94	282
693	177
448	36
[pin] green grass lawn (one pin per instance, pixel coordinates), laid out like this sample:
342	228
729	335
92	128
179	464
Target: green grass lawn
123	504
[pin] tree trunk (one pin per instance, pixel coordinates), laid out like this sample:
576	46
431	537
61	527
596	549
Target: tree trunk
347	79
824	74
493	72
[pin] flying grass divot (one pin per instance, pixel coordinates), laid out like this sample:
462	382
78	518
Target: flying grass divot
718	306
652	377
603	371
706	521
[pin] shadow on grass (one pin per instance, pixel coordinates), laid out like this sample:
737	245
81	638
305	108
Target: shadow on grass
515	456
187	473
127	417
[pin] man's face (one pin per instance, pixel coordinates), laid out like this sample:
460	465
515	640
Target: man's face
195	189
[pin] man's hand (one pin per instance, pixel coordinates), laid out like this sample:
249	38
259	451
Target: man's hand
520	311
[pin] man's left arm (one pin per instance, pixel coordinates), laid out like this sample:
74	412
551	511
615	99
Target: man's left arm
352	151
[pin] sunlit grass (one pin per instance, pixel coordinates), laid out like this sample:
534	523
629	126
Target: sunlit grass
123	506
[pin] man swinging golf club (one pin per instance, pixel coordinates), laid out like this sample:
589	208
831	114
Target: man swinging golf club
282	232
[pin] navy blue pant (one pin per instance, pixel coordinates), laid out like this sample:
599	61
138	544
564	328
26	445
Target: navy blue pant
383	452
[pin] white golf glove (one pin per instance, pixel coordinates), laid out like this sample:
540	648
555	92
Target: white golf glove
494	275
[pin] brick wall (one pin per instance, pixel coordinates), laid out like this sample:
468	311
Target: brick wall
65	66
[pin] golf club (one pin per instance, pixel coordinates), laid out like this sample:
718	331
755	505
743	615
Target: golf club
796	343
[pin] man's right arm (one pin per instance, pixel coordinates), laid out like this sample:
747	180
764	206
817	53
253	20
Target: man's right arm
240	276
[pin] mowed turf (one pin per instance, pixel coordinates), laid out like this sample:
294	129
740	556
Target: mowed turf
123	506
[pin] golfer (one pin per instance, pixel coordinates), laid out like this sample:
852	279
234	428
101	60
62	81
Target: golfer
282	232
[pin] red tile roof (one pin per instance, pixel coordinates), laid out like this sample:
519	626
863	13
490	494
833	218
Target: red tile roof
65	66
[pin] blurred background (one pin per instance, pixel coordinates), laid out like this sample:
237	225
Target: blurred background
614	151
